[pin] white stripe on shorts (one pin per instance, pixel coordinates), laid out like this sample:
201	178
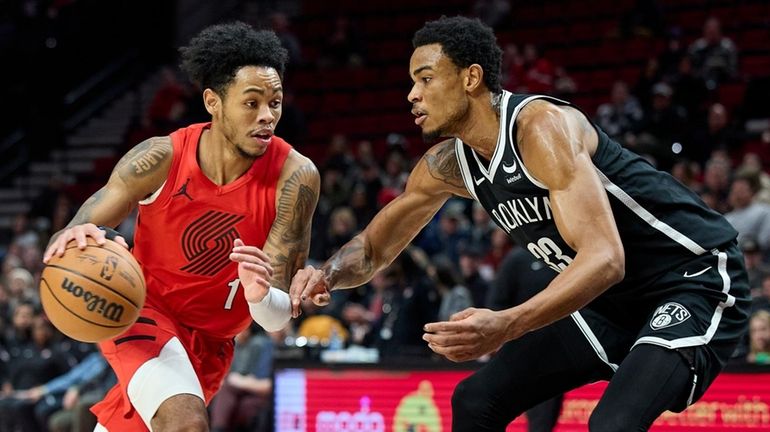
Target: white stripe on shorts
593	340
715	319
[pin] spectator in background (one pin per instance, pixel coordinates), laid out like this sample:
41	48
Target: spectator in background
243	401
750	218
644	19
75	414
689	89
755	266
500	246
344	46
481	227
688	173
663	125
717	135
752	163
342	228
62	392
759	337
293	124
714	56
668	63
454	295
471	273
279	23
31	364
512	68
21	287
495	13
20	332
761	297
564	86
539	72
621	115
716	183
448	234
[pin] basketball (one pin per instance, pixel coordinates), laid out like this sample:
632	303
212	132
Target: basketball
93	294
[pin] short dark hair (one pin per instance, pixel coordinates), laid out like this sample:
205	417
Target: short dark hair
215	55
465	41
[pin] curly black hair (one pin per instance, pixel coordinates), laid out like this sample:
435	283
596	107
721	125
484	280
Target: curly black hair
465	41
215	55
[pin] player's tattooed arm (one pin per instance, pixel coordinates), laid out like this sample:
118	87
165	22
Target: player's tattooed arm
441	161
289	240
139	173
433	180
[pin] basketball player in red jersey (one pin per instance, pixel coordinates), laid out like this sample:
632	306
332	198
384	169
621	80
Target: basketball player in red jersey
224	221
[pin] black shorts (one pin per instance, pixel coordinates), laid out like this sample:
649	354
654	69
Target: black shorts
700	309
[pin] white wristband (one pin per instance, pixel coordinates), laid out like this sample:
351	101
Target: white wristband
274	311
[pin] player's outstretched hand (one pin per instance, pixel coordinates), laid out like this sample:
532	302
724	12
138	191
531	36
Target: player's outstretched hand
79	233
467	335
308	282
254	270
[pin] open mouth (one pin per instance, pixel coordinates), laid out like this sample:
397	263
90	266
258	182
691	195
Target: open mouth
263	136
421	116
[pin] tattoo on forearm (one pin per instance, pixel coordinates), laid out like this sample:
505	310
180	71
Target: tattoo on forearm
144	158
443	165
84	213
351	266
292	221
296	205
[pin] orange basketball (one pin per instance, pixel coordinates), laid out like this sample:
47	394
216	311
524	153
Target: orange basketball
92	294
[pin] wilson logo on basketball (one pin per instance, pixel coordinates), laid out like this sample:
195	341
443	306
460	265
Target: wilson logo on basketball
208	241
668	315
112	311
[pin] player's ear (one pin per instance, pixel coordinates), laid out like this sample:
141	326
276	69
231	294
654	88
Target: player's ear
474	77
211	100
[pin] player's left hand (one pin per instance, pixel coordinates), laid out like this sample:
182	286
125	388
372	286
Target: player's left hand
468	335
254	270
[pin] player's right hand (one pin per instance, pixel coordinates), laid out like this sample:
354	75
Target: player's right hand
308	282
79	233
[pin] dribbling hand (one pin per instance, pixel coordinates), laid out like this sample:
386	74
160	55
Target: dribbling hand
308	282
254	270
79	233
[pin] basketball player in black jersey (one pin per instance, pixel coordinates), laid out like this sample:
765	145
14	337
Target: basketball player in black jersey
650	292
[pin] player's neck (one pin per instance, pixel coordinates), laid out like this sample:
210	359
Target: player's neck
219	160
480	128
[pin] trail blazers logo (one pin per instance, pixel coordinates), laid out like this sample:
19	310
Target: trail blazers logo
669	315
207	242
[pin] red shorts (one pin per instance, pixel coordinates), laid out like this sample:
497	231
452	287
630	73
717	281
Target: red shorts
142	343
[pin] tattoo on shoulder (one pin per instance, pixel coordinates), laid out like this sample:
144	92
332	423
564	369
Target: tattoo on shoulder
442	165
144	158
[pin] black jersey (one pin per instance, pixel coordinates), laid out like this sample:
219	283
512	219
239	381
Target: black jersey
662	223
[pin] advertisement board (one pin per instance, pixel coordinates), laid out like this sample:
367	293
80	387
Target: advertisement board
380	400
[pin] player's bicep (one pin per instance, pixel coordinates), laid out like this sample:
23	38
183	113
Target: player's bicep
556	148
289	239
139	173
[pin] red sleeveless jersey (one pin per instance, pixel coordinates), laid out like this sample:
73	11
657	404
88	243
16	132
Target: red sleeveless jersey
184	237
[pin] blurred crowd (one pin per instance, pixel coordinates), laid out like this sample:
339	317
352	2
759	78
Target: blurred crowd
672	115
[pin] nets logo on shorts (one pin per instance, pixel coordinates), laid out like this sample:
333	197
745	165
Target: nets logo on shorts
669	315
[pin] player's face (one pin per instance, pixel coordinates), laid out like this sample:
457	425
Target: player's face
438	98
251	109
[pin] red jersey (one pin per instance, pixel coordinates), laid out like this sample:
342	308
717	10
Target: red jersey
184	237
